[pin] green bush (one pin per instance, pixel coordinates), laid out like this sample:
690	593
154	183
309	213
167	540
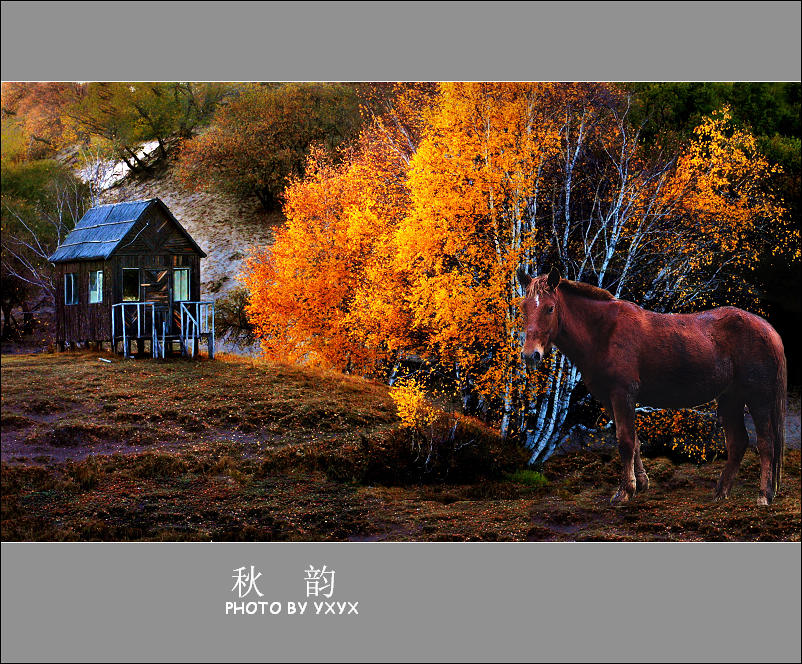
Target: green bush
528	477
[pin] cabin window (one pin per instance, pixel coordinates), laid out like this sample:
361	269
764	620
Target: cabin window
71	288
130	284
181	285
95	286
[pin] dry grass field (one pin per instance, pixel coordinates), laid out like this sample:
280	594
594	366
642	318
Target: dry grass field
236	449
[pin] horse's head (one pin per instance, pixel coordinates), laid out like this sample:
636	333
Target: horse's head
541	314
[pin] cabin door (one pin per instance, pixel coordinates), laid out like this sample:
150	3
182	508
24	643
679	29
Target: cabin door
156	288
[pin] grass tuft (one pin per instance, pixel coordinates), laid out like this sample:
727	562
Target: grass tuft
528	477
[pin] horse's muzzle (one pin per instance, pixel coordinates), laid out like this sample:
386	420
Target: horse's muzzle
532	359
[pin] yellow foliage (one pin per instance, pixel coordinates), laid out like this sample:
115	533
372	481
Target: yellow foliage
413	408
692	434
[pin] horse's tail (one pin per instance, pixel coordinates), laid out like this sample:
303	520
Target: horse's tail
778	423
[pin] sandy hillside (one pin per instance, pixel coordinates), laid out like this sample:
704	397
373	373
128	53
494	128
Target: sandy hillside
224	227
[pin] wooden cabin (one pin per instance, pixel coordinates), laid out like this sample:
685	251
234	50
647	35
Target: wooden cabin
129	274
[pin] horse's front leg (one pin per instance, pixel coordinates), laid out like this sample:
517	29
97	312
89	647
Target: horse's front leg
624	414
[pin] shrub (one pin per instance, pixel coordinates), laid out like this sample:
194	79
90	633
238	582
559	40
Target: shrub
446	444
682	435
231	318
528	477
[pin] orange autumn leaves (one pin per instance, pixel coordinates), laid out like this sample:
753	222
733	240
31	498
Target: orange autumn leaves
325	292
720	183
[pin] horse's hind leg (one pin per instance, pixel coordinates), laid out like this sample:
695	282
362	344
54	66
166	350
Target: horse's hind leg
765	447
641	478
731	416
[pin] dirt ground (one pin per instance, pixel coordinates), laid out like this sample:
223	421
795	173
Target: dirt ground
235	449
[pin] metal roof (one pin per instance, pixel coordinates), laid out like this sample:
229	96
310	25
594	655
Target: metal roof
101	229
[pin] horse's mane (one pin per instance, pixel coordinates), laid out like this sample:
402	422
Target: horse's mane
540	285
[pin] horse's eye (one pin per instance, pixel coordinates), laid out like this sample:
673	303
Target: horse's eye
550	310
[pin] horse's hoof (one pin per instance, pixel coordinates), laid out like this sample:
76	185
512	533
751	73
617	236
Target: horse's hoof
620	496
719	496
642	482
762	500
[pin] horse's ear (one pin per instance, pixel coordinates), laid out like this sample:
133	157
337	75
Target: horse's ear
523	278
554	278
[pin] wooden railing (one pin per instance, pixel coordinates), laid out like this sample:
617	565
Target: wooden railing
141	320
143	316
197	319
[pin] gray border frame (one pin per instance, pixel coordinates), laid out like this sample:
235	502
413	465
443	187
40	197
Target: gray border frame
439	602
430	41
470	602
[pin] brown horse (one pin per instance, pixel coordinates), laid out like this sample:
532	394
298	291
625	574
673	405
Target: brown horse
629	355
